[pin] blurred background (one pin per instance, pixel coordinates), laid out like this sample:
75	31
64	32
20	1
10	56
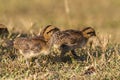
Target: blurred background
32	15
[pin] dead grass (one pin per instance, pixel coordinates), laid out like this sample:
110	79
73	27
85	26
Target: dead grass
105	62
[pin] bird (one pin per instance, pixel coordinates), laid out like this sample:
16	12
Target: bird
70	39
3	31
31	47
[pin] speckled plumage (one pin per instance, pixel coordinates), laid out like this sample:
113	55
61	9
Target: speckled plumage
31	47
68	40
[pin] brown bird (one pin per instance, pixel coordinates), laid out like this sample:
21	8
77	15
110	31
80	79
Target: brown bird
31	47
69	40
3	31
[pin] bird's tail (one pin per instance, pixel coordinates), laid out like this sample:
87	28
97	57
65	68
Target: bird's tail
7	43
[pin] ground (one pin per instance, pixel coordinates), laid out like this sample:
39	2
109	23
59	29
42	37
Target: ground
105	64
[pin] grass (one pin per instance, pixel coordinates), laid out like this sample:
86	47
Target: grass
105	61
24	16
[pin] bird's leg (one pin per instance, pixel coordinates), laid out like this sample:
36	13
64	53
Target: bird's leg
37	62
74	54
63	49
27	63
62	55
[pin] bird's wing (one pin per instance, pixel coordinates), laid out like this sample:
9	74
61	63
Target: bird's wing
21	43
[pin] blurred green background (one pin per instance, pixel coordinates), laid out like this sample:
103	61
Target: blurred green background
27	15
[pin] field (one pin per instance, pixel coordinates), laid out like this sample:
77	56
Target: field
29	17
